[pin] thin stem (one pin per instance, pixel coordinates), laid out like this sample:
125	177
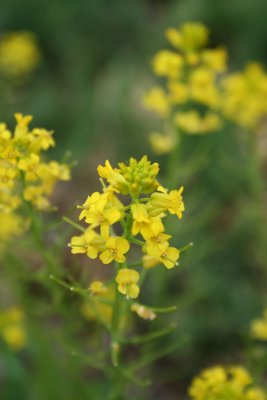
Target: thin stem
74	224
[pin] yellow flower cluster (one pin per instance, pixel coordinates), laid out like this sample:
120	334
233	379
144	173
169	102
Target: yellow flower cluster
19	54
191	72
141	220
217	383
198	93
245	96
24	175
259	327
12	328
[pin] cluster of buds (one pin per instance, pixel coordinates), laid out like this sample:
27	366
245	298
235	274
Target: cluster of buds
141	221
24	173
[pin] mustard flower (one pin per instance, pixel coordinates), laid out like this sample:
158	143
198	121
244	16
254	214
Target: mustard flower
259	327
225	383
171	202
19	54
127	282
12	328
97	288
140	220
115	248
90	243
23	169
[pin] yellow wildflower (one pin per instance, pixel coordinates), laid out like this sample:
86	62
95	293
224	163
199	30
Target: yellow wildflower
161	144
230	383
98	211
143	223
156	100
167	63
259	327
191	122
116	247
171	202
164	253
97	288
127	282
90	243
191	36
12	328
30	166
19	54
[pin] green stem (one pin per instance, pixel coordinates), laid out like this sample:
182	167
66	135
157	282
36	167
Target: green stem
115	327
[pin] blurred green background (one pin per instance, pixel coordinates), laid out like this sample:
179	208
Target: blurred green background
88	89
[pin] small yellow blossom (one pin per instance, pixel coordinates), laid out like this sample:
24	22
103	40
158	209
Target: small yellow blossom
167	63
192	123
164	253
90	243
127	282
12	328
161	144
259	327
19	54
115	248
97	288
171	202
143	223
225	383
190	37
156	100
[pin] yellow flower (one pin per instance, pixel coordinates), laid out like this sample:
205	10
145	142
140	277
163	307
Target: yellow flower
12	328
98	211
215	59
97	288
244	96
171	202
143	223
225	383
191	122
259	327
178	92
113	176
191	36
35	195
30	166
165	254
157	241
167	63
127	282
19	54
161	144
90	243
156	100
116	247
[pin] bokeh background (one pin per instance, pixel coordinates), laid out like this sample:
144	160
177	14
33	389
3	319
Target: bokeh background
88	88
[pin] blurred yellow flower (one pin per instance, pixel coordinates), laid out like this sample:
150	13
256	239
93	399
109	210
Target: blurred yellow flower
218	383
19	54
12	329
259	327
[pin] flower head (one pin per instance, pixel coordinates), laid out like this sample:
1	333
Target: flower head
127	282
